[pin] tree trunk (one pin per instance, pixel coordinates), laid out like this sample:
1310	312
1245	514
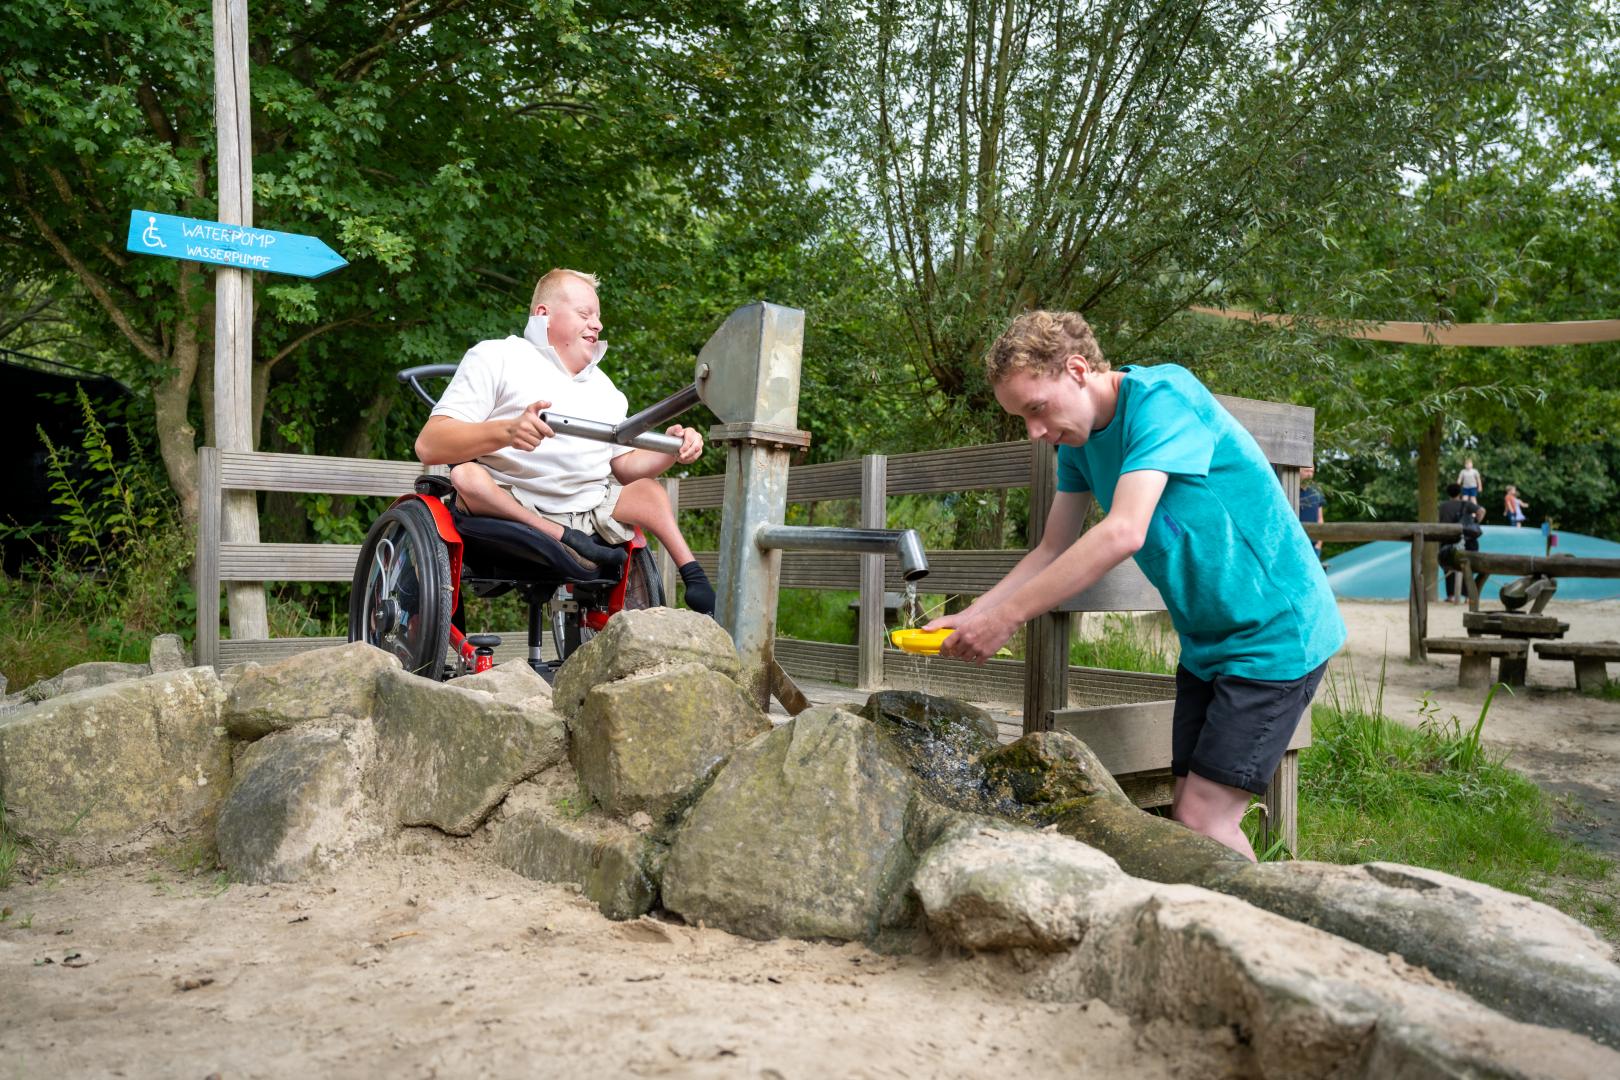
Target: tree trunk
1428	495
171	399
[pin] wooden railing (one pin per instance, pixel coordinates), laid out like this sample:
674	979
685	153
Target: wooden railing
1125	714
1416	533
1120	712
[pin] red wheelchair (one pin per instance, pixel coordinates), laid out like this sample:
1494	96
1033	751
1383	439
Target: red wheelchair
422	556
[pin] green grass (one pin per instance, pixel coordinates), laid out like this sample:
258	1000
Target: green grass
1127	645
10	851
1435	796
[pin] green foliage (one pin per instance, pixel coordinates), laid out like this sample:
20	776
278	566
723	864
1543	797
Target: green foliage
1123	158
817	615
111	579
1433	795
1125	644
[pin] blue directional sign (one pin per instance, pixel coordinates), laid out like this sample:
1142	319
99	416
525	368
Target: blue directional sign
240	246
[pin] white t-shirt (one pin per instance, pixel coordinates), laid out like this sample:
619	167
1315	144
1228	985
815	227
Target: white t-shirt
500	378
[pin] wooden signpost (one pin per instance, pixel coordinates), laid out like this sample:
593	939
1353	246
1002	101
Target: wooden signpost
237	249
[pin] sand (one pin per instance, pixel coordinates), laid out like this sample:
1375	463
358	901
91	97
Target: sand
424	964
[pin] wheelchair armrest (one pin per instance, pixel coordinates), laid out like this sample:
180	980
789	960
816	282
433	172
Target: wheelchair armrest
434	485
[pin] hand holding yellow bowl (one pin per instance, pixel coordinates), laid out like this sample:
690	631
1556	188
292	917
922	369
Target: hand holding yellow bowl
920	642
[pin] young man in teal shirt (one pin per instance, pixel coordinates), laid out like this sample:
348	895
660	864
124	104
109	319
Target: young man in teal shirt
1187	492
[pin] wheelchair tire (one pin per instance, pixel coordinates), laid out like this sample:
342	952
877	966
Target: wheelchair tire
646	588
401	601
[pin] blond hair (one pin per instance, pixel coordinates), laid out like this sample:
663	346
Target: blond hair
552	280
1040	342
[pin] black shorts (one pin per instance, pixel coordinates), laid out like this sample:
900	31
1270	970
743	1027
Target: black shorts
1233	730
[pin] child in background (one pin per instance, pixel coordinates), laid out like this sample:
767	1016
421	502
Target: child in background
1470	482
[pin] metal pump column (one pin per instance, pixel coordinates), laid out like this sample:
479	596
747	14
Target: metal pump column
748	375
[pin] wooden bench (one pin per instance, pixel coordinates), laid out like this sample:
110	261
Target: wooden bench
1590	659
1476	653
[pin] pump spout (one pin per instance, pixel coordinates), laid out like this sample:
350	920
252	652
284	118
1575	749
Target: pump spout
904	544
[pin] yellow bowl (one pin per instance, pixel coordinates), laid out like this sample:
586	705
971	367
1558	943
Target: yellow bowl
920	642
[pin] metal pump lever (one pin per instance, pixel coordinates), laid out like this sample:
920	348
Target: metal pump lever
631	431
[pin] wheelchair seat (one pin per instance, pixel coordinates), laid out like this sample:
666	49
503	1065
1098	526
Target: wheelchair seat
511	551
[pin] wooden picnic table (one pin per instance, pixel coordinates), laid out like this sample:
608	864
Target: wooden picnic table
1513	626
1477	564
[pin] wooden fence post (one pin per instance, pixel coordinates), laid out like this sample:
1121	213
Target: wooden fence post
870	630
233	301
208	514
1046	637
1282	795
1417	602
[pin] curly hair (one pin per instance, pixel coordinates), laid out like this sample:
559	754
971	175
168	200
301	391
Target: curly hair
1039	342
552	280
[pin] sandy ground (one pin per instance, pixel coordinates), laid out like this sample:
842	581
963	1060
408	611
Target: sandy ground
426	966
423	964
1569	743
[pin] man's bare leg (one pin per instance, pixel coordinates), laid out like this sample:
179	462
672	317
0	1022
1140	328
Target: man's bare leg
1213	810
645	503
482	496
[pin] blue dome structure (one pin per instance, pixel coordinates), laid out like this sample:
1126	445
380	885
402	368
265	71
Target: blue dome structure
1381	570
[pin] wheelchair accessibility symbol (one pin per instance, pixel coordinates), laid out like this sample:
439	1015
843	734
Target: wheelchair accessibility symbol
149	235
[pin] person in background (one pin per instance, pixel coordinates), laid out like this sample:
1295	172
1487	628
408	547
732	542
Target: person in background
1469	481
1513	506
1459	511
1311	502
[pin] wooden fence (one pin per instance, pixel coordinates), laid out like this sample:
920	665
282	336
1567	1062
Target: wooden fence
1121	714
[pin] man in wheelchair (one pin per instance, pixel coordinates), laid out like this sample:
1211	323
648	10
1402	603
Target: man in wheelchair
506	464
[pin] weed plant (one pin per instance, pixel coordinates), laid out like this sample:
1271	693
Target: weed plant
115	574
10	851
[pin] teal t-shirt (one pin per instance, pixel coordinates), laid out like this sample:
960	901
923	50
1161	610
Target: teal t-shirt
1225	550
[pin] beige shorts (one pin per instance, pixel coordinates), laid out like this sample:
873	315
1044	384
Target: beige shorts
598	519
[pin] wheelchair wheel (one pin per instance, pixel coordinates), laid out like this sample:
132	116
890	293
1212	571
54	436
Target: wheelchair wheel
645	588
401	597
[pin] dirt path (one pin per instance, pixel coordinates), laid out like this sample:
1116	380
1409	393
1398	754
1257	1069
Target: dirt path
1569	743
427	966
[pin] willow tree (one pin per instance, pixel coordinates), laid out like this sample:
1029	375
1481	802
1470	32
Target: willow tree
1125	157
450	151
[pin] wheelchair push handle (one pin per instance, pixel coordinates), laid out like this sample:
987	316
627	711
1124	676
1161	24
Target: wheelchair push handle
632	431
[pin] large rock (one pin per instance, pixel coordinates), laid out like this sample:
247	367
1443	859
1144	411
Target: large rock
76	678
801	834
516	682
117	768
644	742
322	686
168	653
1308	1004
1511	953
297	806
648	639
548	830
446	754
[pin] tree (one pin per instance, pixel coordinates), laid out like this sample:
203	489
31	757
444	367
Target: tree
1512	220
1123	158
451	151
